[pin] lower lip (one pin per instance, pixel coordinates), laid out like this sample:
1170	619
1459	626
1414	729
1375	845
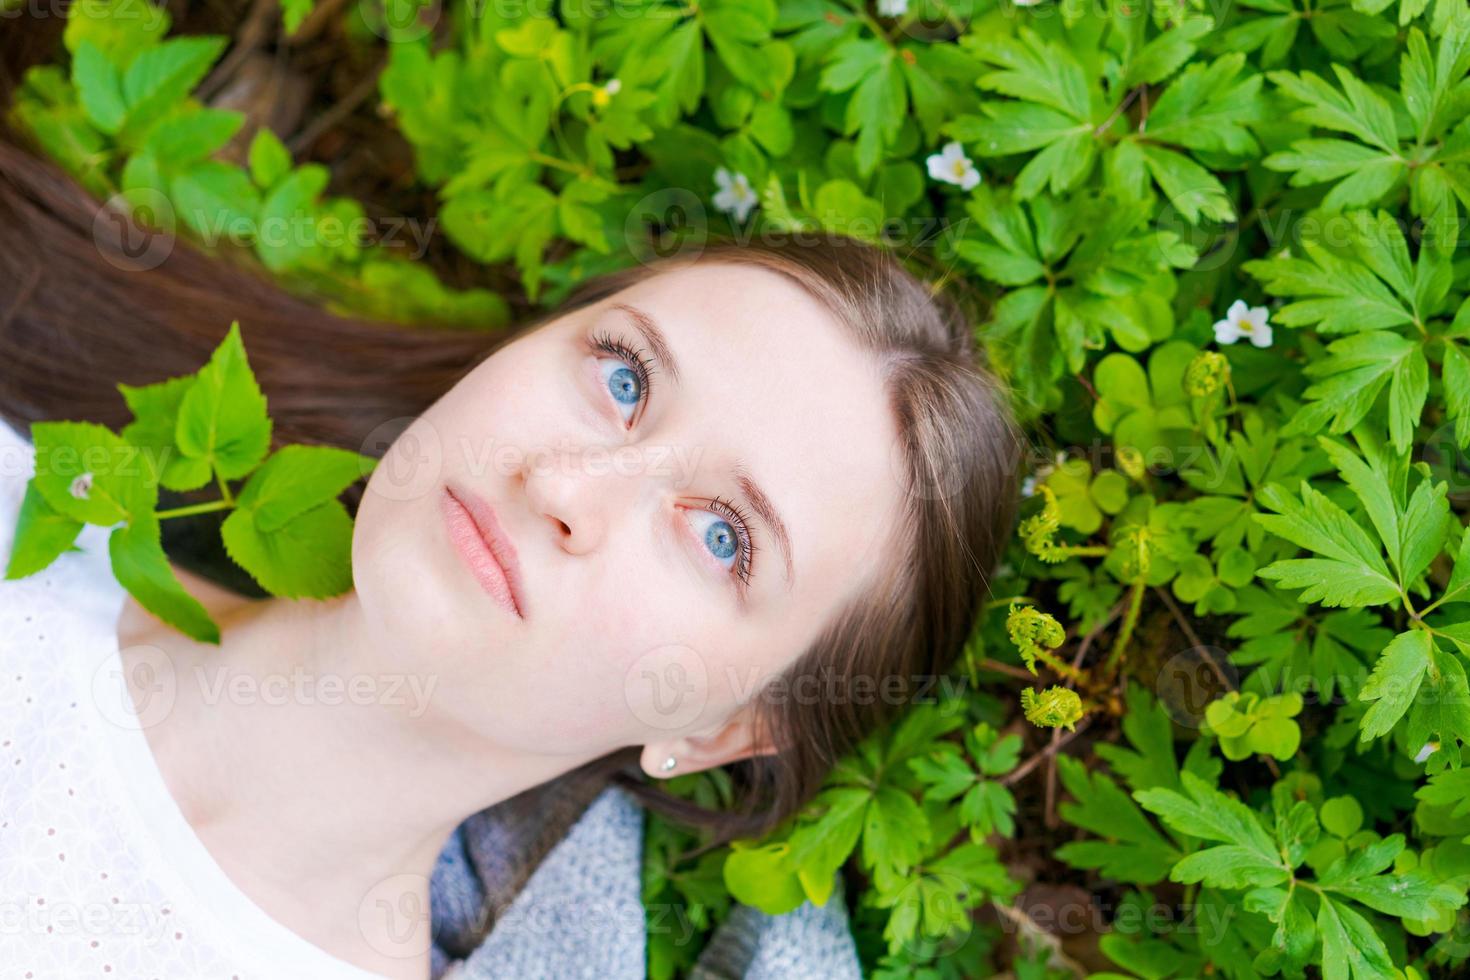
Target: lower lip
476	553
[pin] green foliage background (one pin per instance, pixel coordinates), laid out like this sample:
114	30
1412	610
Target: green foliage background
1243	569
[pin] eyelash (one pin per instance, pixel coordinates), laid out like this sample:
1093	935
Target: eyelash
640	362
643	367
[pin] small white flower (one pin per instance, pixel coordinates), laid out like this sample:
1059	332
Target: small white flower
1429	749
1243	321
735	195
1025	3
951	166
602	94
81	487
1041	472
893	8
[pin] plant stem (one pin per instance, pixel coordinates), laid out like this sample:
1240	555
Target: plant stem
1130	619
208	507
1064	669
1008	669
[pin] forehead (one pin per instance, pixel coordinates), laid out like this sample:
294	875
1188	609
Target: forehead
770	377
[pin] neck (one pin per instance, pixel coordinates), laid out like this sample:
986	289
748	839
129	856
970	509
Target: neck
312	769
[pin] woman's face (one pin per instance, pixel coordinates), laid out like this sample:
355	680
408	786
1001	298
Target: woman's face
637	623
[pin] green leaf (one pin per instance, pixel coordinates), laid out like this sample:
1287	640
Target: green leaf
1341	295
895	830
1131	850
191	136
1394	682
1352	573
1342	815
294	13
309	556
222	417
295	479
1357	110
1350	945
99	87
1162	56
141	567
269	159
161	77
86	472
1360	876
1456	373
118	28
1356	372
1414	533
1188	185
762	877
1207	108
285	218
41	535
1035	70
217	201
1247	855
155	422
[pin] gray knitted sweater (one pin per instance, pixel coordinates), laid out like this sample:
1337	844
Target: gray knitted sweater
580	913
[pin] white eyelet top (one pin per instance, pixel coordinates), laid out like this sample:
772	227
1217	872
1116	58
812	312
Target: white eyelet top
100	873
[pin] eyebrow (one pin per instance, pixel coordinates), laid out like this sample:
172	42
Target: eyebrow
655	337
757	499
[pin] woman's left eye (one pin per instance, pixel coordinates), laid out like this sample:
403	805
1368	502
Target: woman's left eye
725	534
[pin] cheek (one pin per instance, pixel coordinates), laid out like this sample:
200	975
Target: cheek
636	664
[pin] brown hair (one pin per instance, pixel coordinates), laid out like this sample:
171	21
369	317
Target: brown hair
75	319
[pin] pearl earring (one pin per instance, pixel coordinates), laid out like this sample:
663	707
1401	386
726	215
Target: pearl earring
669	763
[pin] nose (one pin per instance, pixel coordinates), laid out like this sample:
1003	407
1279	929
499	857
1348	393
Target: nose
579	492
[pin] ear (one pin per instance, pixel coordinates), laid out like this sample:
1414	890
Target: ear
732	741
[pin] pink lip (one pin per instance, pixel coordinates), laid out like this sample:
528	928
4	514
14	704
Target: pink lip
482	543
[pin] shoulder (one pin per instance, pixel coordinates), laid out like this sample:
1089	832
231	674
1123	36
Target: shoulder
811	942
17	466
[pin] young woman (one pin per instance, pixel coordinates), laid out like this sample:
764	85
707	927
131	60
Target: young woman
671	526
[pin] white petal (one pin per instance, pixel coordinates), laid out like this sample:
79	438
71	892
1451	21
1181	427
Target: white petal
1236	312
1226	332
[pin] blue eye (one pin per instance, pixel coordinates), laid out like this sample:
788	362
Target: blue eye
719	537
623	384
725	532
626	373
